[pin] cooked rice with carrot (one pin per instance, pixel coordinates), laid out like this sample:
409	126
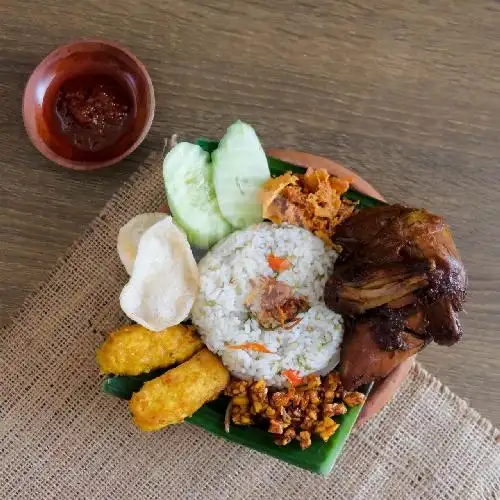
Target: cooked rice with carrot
260	305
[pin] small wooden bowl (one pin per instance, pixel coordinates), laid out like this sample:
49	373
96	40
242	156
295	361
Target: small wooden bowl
81	59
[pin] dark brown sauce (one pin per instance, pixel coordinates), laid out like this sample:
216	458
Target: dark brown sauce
93	112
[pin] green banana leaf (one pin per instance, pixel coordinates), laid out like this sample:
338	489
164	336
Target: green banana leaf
320	457
279	167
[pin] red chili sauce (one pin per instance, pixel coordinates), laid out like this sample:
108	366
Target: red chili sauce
93	111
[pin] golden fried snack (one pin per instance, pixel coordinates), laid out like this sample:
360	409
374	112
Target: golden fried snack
134	349
311	200
177	394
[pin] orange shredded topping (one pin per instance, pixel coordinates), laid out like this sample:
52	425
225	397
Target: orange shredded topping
252	346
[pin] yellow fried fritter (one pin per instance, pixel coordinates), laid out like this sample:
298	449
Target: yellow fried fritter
134	349
177	394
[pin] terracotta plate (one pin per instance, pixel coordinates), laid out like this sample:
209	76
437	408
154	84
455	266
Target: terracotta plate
319	457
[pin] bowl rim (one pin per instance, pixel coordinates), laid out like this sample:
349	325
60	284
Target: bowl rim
87	165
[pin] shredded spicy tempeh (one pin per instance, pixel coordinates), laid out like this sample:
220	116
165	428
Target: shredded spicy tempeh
306	408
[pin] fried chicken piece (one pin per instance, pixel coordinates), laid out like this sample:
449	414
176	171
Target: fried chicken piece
274	304
363	360
400	283
443	324
387	239
374	287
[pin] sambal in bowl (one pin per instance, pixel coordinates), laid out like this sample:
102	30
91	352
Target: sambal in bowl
88	104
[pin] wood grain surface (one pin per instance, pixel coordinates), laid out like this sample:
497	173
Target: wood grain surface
405	93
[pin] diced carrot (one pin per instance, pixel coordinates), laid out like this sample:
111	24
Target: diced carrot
278	264
293	377
252	346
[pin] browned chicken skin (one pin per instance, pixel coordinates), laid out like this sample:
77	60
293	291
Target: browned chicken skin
399	282
362	358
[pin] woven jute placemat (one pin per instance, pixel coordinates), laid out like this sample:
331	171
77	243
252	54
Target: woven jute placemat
61	438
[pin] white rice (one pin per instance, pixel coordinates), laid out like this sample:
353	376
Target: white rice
219	312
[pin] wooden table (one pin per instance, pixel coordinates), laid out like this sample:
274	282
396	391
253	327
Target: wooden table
405	93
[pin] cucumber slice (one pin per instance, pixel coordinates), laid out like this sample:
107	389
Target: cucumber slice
240	169
191	197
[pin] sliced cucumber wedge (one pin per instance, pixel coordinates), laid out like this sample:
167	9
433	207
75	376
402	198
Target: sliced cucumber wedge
187	172
240	169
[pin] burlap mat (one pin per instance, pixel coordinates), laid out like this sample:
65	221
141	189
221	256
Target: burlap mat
60	438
